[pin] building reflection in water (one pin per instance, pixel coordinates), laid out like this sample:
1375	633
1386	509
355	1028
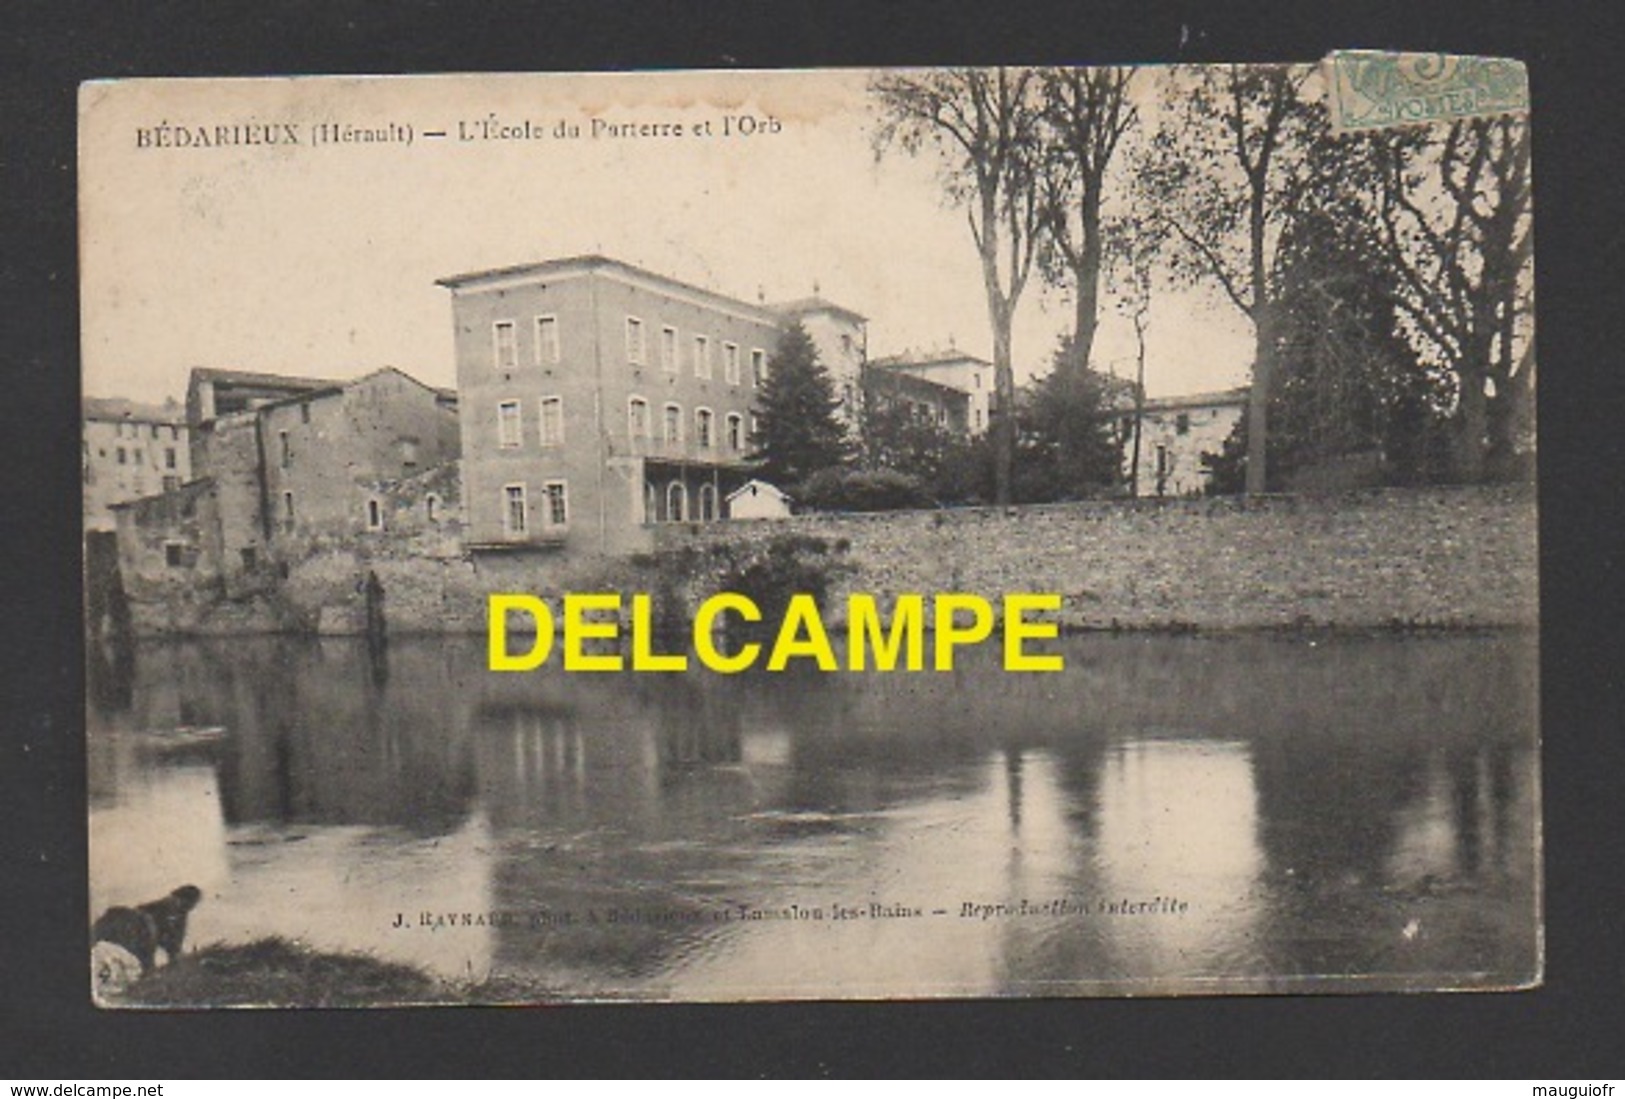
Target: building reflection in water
1178	822
1351	806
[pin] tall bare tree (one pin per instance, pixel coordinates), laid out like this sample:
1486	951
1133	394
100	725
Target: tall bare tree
1086	112
1226	172
982	124
1455	215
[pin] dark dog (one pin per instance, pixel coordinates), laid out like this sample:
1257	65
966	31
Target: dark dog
146	928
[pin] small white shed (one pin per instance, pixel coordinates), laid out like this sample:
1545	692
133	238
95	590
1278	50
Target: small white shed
758	500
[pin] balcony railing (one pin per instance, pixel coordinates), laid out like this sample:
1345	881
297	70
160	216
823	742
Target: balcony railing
686	450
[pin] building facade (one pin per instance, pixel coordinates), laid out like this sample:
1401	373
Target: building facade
1175	432
129	450
952	370
841	338
920	398
598	399
296	462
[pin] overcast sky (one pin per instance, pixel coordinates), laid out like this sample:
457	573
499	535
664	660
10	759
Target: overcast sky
322	261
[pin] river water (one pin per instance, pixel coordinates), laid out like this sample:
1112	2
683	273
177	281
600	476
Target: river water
1169	814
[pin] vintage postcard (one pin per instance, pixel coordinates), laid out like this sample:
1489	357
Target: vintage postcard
700	536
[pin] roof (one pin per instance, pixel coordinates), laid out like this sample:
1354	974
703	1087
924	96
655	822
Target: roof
771	489
901	382
1219	397
272	381
605	264
121	408
773	314
927	360
801	307
196	484
305	389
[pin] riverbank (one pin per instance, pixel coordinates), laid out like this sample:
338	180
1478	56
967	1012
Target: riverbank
277	972
1431	558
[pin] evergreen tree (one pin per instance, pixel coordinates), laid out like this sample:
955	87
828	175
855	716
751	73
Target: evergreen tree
799	430
1065	448
1349	403
896	437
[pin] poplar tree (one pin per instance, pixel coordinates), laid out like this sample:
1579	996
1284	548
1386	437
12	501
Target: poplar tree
982	127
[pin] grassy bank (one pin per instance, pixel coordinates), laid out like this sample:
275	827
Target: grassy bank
275	972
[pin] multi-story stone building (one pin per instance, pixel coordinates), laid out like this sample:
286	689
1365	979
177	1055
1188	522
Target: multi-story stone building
921	398
841	338
1175	432
951	369
130	450
598	398
293	462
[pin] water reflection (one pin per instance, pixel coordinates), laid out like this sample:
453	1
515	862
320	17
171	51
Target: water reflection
1167	811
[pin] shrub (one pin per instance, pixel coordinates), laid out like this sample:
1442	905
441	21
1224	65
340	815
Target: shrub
841	489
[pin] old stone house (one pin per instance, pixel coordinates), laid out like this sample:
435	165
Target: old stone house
1175	432
128	450
291	466
960	393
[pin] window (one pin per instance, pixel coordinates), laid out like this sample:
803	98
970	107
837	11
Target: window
285	449
552	421
758	367
121	456
375	516
673	424
547	340
513	509
409	455
1182	423
978	415
1162	460
708	503
250	556
702	427
846	344
634	341
171	484
508	425
676	498
736	432
174	555
557	513
169	457
507	347
153	430
702	356
668	349
755	427
431	508
637	418
287	510
730	363
650	503
135	456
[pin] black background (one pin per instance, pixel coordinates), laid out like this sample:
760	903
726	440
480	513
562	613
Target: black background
1571	1029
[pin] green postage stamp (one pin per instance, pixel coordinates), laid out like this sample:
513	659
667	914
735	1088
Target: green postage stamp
1372	89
